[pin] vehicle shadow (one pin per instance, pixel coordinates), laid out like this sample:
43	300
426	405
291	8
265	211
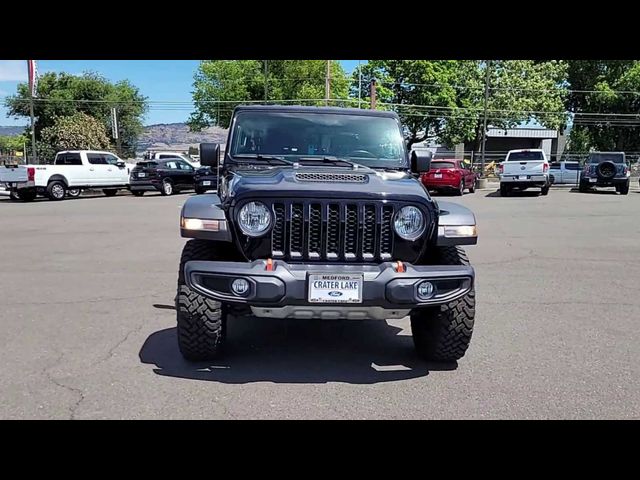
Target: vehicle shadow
593	191
526	193
297	351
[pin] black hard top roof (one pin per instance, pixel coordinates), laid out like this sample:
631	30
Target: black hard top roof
306	109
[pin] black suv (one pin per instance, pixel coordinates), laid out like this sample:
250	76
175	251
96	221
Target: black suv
320	215
606	169
206	178
167	176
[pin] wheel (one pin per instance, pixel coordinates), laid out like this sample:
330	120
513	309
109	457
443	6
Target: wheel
460	190
504	190
110	192
137	193
583	187
623	189
25	195
56	190
167	188
13	195
545	190
472	187
74	192
200	191
201	321
443	333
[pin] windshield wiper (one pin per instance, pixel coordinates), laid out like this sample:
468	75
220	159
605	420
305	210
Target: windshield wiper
270	159
329	161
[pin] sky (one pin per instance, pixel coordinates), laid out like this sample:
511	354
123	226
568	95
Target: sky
159	80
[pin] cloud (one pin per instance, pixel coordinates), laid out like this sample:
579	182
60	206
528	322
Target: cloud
13	70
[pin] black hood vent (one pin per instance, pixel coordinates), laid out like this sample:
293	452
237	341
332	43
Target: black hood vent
332	177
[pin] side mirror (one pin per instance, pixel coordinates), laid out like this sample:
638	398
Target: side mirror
121	164
421	161
209	154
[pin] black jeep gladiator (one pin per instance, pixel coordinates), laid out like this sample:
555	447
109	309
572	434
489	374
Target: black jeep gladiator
606	169
320	215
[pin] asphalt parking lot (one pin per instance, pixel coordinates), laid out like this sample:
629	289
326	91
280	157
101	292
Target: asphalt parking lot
87	290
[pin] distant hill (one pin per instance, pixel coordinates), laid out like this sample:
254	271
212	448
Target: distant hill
172	136
176	136
10	131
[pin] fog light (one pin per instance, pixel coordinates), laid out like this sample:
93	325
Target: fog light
426	289
240	286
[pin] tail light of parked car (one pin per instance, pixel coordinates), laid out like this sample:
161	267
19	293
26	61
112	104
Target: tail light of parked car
31	174
545	167
501	169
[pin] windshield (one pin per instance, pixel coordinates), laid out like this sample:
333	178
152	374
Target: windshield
443	165
367	140
524	156
603	157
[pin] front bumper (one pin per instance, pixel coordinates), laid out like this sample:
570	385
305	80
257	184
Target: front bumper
287	284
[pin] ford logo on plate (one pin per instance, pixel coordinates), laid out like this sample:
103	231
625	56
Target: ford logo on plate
335	293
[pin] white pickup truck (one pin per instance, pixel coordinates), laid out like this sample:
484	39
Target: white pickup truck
71	171
524	169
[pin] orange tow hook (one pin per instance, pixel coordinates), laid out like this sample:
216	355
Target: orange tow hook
269	266
400	267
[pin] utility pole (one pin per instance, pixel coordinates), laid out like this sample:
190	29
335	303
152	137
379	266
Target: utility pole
327	84
266	81
373	94
33	132
359	84
484	122
115	131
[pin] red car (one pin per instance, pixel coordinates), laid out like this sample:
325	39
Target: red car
449	174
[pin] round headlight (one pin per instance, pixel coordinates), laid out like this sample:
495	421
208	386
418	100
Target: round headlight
254	219
409	223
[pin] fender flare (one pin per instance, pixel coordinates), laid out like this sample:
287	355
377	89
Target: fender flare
453	215
206	206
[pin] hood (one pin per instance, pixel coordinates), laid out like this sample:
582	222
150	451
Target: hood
326	182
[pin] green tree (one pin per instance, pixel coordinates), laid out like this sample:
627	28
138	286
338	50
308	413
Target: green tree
221	85
11	144
63	94
73	132
444	100
601	90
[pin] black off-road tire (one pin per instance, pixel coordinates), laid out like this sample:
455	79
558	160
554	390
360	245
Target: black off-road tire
443	333
110	192
623	189
583	187
201	320
137	193
545	190
504	191
56	190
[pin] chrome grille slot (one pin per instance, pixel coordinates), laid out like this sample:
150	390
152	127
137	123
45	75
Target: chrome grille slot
278	232
315	231
296	236
386	233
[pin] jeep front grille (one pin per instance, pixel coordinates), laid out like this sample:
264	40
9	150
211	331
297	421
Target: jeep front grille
325	230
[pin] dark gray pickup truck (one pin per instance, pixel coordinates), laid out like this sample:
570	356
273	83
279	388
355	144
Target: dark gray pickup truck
606	169
320	215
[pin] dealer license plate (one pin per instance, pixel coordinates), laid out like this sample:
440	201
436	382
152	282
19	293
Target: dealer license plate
335	288
206	183
437	175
